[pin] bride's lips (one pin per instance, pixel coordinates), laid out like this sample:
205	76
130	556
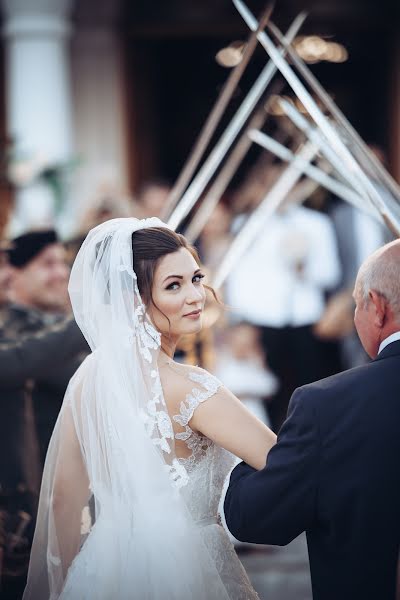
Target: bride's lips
195	314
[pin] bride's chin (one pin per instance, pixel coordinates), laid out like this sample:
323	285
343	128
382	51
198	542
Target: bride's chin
192	328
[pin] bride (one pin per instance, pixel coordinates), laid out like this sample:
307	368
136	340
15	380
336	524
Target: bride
142	446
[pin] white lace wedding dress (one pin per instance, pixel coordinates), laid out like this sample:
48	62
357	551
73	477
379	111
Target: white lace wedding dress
206	468
129	499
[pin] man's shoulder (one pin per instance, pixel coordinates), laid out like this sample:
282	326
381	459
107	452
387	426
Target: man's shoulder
12	321
366	376
340	381
189	376
16	320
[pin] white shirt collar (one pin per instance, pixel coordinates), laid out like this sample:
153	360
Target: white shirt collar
391	338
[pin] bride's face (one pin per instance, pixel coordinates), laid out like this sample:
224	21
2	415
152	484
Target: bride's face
178	295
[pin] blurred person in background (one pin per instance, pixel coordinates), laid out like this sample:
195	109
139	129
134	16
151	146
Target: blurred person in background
40	275
279	285
22	360
151	199
358	234
215	237
38	299
240	365
109	201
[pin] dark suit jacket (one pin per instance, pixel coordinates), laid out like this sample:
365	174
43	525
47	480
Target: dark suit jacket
334	473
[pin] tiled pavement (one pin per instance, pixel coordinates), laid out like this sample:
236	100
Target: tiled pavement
279	573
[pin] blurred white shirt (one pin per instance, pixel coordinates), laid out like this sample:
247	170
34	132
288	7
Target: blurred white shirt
249	380
265	288
246	378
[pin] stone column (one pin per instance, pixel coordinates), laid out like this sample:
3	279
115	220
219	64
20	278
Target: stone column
38	97
98	90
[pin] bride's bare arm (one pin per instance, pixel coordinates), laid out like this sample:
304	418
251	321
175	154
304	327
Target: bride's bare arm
226	421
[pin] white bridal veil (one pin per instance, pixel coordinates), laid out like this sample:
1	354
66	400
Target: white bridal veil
112	523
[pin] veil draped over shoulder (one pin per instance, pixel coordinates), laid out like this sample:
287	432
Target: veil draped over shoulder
112	522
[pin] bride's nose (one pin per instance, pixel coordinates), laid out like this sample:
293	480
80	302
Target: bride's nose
194	294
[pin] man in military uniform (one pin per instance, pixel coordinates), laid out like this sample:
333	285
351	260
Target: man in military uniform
40	299
40	350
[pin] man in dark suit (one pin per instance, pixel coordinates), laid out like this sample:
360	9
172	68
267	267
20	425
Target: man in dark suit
335	470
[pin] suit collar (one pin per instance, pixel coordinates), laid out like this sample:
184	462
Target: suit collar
392	349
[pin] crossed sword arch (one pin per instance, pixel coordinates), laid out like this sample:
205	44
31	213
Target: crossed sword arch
349	169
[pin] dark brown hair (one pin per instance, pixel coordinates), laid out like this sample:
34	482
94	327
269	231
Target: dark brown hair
149	245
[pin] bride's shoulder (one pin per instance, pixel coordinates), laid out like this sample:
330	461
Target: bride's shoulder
185	388
185	375
180	380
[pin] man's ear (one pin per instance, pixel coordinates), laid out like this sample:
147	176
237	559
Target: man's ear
380	307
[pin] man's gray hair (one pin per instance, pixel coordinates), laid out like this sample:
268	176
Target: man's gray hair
381	273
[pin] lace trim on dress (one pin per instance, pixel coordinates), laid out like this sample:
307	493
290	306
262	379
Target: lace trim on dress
192	401
197	443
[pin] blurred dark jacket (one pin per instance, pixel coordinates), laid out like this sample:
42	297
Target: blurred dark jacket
36	362
37	359
33	355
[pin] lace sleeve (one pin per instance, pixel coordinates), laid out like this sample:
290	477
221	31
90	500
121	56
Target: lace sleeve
207	386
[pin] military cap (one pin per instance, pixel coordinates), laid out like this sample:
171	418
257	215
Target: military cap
29	245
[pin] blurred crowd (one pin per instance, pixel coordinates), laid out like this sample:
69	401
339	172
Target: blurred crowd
285	319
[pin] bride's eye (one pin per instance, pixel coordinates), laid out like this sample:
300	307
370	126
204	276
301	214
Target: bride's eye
197	278
173	286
